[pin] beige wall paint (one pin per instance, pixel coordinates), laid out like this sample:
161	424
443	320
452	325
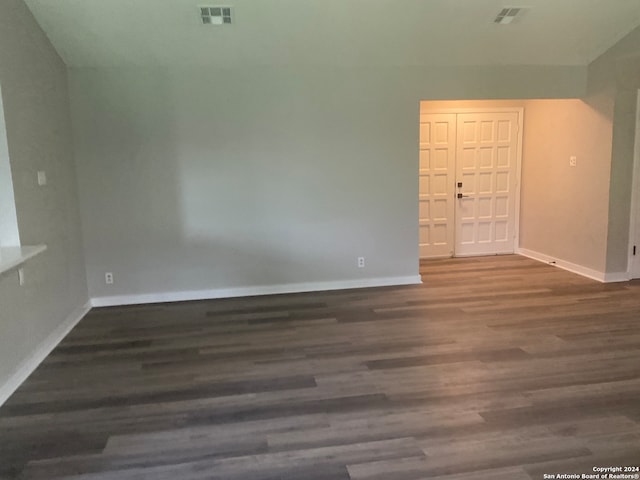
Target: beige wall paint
564	209
34	90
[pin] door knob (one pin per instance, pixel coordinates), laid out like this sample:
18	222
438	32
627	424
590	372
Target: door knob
462	196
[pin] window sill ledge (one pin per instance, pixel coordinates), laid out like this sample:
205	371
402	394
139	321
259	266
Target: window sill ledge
12	257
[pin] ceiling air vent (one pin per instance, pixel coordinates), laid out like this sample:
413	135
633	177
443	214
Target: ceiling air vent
508	15
216	15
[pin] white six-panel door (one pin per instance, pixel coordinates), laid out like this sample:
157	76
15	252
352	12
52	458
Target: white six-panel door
437	170
472	156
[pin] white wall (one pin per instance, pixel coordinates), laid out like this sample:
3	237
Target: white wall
204	179
34	90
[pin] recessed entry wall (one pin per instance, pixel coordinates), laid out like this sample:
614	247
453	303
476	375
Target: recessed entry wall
468	175
564	179
565	208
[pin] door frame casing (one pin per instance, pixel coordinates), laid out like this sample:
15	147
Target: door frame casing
520	112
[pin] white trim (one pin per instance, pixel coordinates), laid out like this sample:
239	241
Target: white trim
635	196
519	152
569	266
162	297
28	365
12	257
487	109
497	254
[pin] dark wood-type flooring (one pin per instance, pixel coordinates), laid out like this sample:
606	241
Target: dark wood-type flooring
496	368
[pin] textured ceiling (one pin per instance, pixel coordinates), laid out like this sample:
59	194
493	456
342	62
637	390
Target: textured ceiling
333	32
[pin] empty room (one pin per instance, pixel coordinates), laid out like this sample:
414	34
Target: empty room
319	239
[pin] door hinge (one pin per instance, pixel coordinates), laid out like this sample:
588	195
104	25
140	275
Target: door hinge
634	250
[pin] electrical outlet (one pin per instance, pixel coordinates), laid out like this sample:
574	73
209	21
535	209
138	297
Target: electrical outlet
108	278
360	262
573	161
42	178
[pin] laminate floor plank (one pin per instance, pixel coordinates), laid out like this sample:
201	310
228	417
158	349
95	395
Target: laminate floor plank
496	368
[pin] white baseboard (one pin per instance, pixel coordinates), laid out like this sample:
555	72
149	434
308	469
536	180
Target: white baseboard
575	268
27	367
251	291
